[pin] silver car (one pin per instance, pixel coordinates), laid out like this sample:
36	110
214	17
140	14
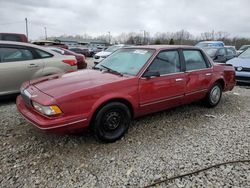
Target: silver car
20	62
242	66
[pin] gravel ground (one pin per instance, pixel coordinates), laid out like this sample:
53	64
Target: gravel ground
157	146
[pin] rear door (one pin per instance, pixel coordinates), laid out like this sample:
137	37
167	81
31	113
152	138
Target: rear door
17	64
199	74
166	90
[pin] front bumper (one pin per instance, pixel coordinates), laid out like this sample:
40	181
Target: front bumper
243	77
60	124
96	61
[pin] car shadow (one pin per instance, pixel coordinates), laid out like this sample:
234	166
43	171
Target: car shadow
243	85
8	99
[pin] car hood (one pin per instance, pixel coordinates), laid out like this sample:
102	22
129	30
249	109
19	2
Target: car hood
239	62
103	53
63	84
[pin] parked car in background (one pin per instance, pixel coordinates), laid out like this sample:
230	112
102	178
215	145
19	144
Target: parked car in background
81	62
50	43
242	66
243	48
20	62
81	50
128	84
204	44
103	54
13	37
221	54
95	50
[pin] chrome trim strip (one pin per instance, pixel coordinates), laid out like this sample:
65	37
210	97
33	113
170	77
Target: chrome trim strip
59	126
162	100
194	92
189	71
163	75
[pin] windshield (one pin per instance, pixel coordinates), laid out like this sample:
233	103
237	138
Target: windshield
245	54
112	48
210	51
127	61
244	47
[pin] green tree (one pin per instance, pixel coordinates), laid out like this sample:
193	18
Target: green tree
171	42
157	41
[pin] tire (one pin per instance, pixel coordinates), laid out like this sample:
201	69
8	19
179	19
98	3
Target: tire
111	122
213	96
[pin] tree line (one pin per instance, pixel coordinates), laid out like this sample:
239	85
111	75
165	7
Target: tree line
181	37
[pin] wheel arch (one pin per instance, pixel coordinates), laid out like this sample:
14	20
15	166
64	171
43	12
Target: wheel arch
221	82
117	99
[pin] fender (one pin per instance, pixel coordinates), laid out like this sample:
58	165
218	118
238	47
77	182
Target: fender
112	97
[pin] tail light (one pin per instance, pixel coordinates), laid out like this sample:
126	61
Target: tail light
71	62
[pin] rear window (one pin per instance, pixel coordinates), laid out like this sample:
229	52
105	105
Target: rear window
10	37
43	54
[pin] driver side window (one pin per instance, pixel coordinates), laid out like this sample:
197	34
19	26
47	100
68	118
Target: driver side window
166	62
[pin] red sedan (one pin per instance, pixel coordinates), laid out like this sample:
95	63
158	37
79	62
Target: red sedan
81	61
130	83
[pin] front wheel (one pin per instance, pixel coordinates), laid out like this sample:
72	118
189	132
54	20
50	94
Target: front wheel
213	96
111	122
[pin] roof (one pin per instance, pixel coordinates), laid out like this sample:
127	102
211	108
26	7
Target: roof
160	47
26	45
62	39
211	41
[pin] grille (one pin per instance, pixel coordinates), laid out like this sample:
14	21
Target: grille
244	69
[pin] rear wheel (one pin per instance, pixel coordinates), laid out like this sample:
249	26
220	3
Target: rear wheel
214	95
111	122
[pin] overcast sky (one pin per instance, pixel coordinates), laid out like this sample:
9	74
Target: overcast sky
96	17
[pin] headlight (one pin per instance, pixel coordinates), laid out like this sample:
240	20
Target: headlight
47	110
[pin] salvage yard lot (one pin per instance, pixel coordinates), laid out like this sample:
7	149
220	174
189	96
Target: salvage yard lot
161	145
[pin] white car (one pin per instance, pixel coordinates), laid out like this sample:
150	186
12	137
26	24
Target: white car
20	62
103	54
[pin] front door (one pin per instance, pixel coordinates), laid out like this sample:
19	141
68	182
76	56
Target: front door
167	89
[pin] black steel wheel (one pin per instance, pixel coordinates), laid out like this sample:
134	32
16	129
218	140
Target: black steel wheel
112	121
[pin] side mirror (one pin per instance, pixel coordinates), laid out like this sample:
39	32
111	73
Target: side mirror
149	74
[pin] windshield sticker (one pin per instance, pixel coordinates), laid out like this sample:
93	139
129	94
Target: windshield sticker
142	52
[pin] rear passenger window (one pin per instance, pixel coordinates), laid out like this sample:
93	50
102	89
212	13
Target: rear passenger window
15	54
166	62
11	38
194	60
43	54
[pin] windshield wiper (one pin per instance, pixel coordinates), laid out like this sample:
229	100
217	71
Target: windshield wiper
111	70
96	68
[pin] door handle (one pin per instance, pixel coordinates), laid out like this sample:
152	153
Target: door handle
32	65
208	74
178	79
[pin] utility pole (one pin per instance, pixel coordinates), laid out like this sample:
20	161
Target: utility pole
45	30
144	37
26	24
109	37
